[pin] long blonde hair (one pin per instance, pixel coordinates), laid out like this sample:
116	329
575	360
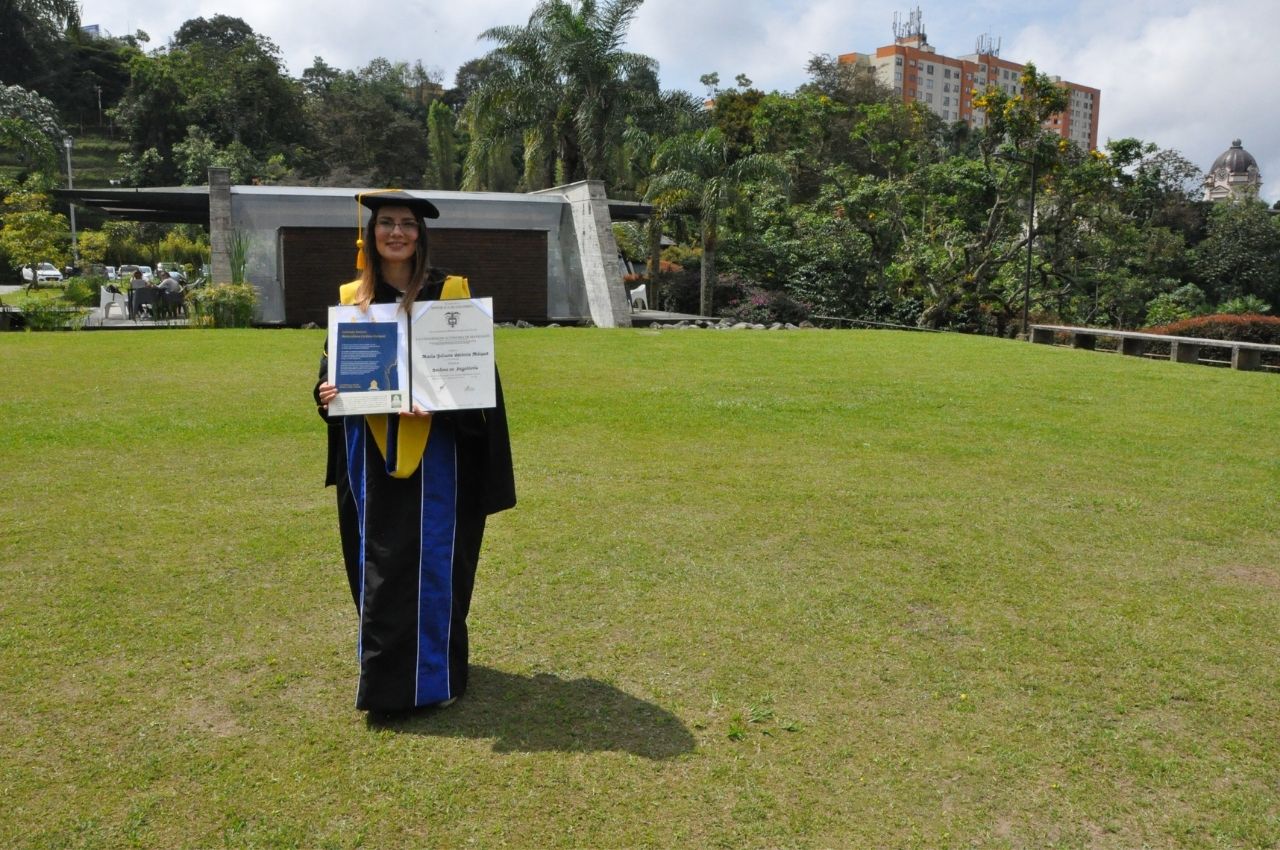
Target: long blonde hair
373	265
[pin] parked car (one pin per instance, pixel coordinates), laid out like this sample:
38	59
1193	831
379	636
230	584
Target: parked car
111	273
43	273
126	272
174	269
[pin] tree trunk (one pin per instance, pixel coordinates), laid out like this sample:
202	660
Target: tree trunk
708	273
655	259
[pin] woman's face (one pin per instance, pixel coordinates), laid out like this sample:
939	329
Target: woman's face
395	231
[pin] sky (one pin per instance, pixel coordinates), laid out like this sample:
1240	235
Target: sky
1191	76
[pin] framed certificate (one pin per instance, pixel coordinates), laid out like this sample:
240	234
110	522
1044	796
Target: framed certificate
451	361
368	360
439	357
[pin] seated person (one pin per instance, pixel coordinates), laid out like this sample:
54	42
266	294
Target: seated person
168	284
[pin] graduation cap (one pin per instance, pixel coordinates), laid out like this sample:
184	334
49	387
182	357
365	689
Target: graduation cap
380	198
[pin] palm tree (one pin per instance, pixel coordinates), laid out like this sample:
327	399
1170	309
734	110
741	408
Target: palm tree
563	85
697	175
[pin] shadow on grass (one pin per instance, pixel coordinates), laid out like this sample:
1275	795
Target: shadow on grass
546	713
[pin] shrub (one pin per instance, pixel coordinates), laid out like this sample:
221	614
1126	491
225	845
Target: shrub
83	291
222	305
755	304
44	314
1248	327
1183	303
1245	304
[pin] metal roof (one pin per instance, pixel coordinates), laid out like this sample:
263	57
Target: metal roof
172	204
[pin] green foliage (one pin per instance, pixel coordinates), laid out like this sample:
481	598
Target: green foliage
222	305
239	255
82	291
442	146
1178	305
562	87
1244	304
29	125
46	314
1241	253
31	233
225	80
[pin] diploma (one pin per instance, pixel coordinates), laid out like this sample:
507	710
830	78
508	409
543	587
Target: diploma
451	354
368	357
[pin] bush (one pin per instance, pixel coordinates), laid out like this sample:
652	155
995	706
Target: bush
43	314
222	305
757	305
83	291
1248	327
1183	303
1245	304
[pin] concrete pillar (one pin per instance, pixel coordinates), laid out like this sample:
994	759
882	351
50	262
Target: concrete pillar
1184	352
220	228
602	278
1246	359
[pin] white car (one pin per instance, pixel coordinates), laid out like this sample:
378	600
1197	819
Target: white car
44	273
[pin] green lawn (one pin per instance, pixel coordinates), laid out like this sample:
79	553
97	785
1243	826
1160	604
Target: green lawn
774	590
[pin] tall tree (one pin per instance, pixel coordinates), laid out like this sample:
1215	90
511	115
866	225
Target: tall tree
440	142
696	173
563	84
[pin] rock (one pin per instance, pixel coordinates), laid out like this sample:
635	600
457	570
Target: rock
807	324
310	326
791	327
523	324
776	326
554	325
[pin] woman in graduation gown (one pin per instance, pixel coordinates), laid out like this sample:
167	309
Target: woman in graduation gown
413	491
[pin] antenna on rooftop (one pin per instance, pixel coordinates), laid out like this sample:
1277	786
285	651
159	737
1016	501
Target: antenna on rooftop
911	27
986	47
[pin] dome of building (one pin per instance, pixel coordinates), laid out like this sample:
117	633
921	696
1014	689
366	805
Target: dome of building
1234	174
1235	159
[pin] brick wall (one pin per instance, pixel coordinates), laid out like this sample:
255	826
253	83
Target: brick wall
509	266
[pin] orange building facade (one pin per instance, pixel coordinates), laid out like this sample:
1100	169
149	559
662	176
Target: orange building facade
914	71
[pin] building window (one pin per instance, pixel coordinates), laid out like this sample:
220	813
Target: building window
928	84
946	101
929	70
928	98
897	60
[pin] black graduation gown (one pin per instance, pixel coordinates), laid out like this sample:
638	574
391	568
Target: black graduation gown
411	544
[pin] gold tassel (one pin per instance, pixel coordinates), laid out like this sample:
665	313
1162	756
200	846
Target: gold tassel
359	255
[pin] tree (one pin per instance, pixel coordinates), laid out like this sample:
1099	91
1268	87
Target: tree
1241	254
440	142
217	75
29	125
696	174
562	85
31	233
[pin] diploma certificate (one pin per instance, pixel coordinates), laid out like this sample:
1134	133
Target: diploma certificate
451	354
368	360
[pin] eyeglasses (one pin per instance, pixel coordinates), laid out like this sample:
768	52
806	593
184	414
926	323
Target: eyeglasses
386	225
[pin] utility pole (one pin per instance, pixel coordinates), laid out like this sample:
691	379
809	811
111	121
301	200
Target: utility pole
67	143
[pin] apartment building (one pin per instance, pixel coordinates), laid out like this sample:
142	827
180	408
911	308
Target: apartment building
915	71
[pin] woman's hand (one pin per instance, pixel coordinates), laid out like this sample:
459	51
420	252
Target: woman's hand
417	413
327	393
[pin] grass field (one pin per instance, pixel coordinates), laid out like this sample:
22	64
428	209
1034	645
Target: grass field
793	590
